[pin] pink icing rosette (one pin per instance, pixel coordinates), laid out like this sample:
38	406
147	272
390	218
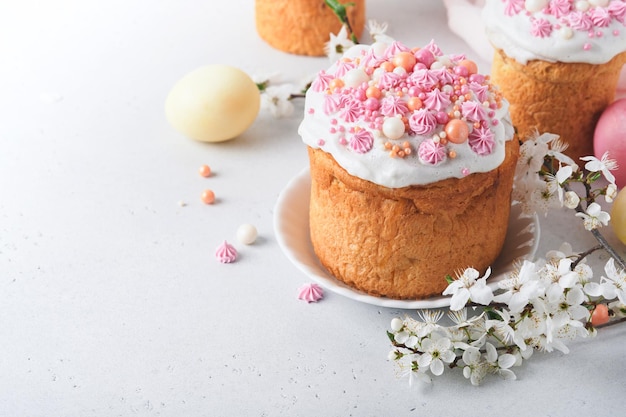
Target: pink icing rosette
422	122
437	100
541	28
473	111
423	79
362	141
352	110
321	81
431	152
392	105
481	141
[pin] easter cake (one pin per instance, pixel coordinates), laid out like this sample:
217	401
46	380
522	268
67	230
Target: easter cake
557	62
302	27
412	157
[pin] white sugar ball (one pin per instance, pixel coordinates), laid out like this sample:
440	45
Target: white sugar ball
393	128
582	6
379	48
599	3
355	77
247	234
566	32
536	5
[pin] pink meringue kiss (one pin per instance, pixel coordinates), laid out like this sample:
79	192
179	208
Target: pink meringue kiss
226	253
311	293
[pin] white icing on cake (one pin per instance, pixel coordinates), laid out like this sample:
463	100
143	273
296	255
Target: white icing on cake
557	30
349	110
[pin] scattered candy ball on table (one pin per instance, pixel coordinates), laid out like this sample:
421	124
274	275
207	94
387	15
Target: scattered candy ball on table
610	135
618	216
205	171
247	234
213	103
208	197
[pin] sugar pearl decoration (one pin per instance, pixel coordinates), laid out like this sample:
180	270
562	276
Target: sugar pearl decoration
393	128
535	5
599	3
379	48
582	6
355	77
566	32
247	234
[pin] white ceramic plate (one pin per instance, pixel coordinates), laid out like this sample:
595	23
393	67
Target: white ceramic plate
291	223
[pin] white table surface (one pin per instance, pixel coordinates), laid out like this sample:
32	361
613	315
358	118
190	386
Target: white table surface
111	300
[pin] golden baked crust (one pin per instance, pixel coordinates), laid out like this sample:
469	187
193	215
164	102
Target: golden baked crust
303	27
562	98
401	243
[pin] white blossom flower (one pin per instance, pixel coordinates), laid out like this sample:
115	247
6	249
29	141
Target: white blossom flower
557	147
614	284
571	200
531	156
378	31
338	44
277	100
557	276
611	193
570	304
604	164
430	319
519	288
408	367
437	351
503	329
500	364
469	287
475	368
396	324
594	217
557	181
263	80
618	308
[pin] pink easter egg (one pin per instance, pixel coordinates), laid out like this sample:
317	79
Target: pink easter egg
610	135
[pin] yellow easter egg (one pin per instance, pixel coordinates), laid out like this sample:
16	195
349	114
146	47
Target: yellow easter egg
213	103
618	216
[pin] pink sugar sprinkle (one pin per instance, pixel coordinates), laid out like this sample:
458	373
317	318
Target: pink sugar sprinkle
321	142
616	32
465	172
333	121
311	110
343	141
587	46
332	130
